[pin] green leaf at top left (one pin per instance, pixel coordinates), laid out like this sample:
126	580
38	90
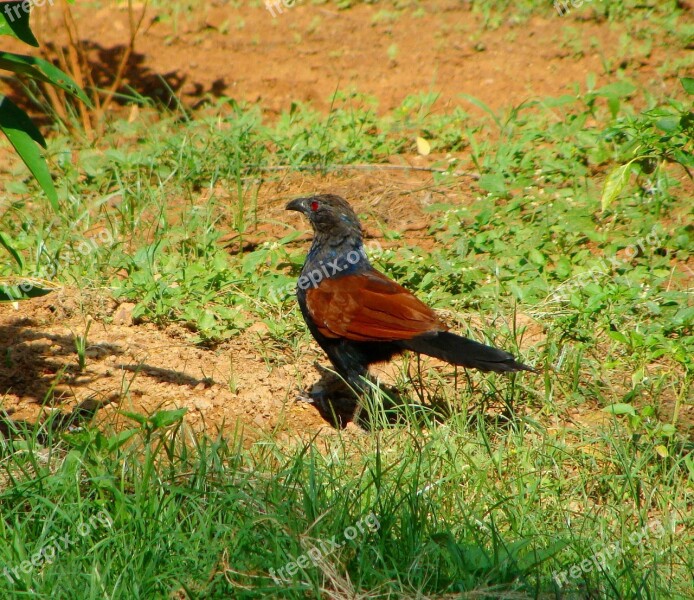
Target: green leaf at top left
24	136
14	21
38	68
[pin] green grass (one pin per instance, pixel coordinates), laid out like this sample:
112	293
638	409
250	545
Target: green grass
496	508
469	497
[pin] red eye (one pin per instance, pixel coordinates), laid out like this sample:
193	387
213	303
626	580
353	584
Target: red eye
314	206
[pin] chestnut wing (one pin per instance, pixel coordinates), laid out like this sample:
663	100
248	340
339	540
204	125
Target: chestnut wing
369	307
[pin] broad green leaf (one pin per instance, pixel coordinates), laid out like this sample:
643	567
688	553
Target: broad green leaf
637	378
14	21
16	116
591	78
492	183
684	158
22	290
206	321
137	417
617	89
551	102
536	556
5	244
116	441
648	411
613	105
668	430
620	408
38	68
537	257
615	183
23	135
164	418
668	124
688	84
618	336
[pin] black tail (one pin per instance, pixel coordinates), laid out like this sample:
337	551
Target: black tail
458	350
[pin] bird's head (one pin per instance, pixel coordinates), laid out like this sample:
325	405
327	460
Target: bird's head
330	215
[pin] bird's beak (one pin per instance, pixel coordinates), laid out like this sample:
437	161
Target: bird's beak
298	204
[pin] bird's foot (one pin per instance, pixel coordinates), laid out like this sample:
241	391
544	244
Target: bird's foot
317	396
304	396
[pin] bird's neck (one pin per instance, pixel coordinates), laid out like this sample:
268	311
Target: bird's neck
341	254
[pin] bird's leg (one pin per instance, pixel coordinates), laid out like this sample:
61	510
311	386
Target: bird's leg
361	385
313	396
419	390
323	390
470	385
350	366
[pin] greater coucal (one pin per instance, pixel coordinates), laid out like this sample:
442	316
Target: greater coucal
359	316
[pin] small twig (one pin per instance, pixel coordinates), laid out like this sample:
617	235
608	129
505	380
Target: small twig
134	28
77	57
56	98
362	167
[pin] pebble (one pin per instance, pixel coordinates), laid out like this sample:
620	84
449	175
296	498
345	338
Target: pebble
202	404
124	314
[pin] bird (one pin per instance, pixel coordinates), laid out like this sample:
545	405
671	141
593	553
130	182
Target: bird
359	316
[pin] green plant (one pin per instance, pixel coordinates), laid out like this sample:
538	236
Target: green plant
452	506
14	122
659	135
81	342
19	128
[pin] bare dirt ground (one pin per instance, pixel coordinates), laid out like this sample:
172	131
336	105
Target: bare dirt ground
308	52
246	383
304	54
